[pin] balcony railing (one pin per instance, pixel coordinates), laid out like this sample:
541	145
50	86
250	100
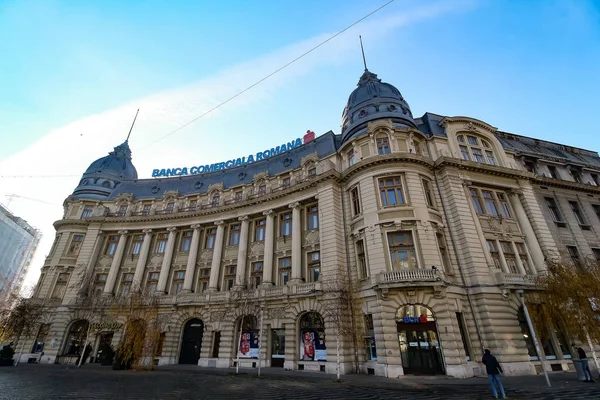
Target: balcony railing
409	275
503	278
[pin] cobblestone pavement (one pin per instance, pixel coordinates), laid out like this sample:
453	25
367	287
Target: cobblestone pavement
93	382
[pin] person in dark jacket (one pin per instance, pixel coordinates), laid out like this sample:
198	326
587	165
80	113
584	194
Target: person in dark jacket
585	365
493	369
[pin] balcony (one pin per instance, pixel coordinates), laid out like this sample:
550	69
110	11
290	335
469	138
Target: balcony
515	280
410	277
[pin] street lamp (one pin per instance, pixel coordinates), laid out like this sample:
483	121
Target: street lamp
533	337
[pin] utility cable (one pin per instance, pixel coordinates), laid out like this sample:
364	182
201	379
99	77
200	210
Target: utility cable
268	76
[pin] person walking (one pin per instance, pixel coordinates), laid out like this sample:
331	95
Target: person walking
585	365
493	369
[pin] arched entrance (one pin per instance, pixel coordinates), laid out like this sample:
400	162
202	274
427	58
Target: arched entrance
248	341
419	343
312	337
191	342
76	338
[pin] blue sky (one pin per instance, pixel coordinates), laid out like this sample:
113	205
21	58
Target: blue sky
73	73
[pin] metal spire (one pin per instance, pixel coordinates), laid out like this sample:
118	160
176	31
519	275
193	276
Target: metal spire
130	129
363	52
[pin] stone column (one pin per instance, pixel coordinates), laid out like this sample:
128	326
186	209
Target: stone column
116	264
240	273
534	247
166	264
190	268
215	266
268	253
143	258
296	244
518	261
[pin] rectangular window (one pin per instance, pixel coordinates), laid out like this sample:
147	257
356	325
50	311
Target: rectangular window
237	196
370	346
61	285
504	208
576	175
478	155
203	286
234	234
390	190
463	334
285	264
99	283
361	258
351	157
596	252
464	152
476	201
577	212
285	224
314	266
122	211
215	200
186	241
509	256
402	250
161	242
472	140
40	339
256	271
553	172
262	189
490	157
312	217
286	182
75	245
553	207
355	201
136	245
312	171
383	146
441	240
146	209
530	167
595	179
193	204
178	278
523	256
596	208
493	249
152	282
87	211
259	230
209	243
111	245
126	282
428	189
490	203
169	208
574	254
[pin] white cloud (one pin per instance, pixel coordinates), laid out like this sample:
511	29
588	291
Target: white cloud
71	148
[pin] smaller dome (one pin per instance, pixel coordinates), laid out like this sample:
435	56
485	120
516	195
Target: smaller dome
371	100
106	173
116	164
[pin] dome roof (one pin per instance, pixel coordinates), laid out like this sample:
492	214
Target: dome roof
106	173
371	100
117	164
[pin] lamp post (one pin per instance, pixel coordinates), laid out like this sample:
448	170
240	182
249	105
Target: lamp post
533	337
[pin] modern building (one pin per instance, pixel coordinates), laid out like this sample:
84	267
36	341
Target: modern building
438	222
18	243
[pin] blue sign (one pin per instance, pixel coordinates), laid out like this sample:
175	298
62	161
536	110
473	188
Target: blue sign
202	169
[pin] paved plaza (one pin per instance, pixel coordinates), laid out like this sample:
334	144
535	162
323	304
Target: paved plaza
94	382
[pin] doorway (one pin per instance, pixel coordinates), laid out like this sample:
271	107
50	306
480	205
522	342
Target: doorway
191	342
277	347
419	343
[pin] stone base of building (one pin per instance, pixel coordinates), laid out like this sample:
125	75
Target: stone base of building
517	368
214	363
463	371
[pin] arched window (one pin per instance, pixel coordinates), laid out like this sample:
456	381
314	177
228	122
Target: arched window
383	144
413	312
76	337
312	337
473	148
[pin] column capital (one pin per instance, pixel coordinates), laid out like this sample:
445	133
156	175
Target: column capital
123	232
268	212
294	205
220	223
147	231
243	218
171	229
467	182
196	226
515	191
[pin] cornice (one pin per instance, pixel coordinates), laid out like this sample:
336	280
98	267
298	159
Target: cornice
448	120
62	223
483	168
558	183
369	162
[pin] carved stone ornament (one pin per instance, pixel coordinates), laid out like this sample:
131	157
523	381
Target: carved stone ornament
155	189
206	255
276	313
287	162
311	236
257	248
198	185
242	176
217	316
471	127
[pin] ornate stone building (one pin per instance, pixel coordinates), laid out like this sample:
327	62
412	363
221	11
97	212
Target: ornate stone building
437	221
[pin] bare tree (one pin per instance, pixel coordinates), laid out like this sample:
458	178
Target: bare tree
339	307
569	296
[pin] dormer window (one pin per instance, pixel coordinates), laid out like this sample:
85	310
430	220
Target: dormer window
383	145
575	174
215	200
473	148
351	157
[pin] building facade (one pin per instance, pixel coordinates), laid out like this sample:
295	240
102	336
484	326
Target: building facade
437	222
18	243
